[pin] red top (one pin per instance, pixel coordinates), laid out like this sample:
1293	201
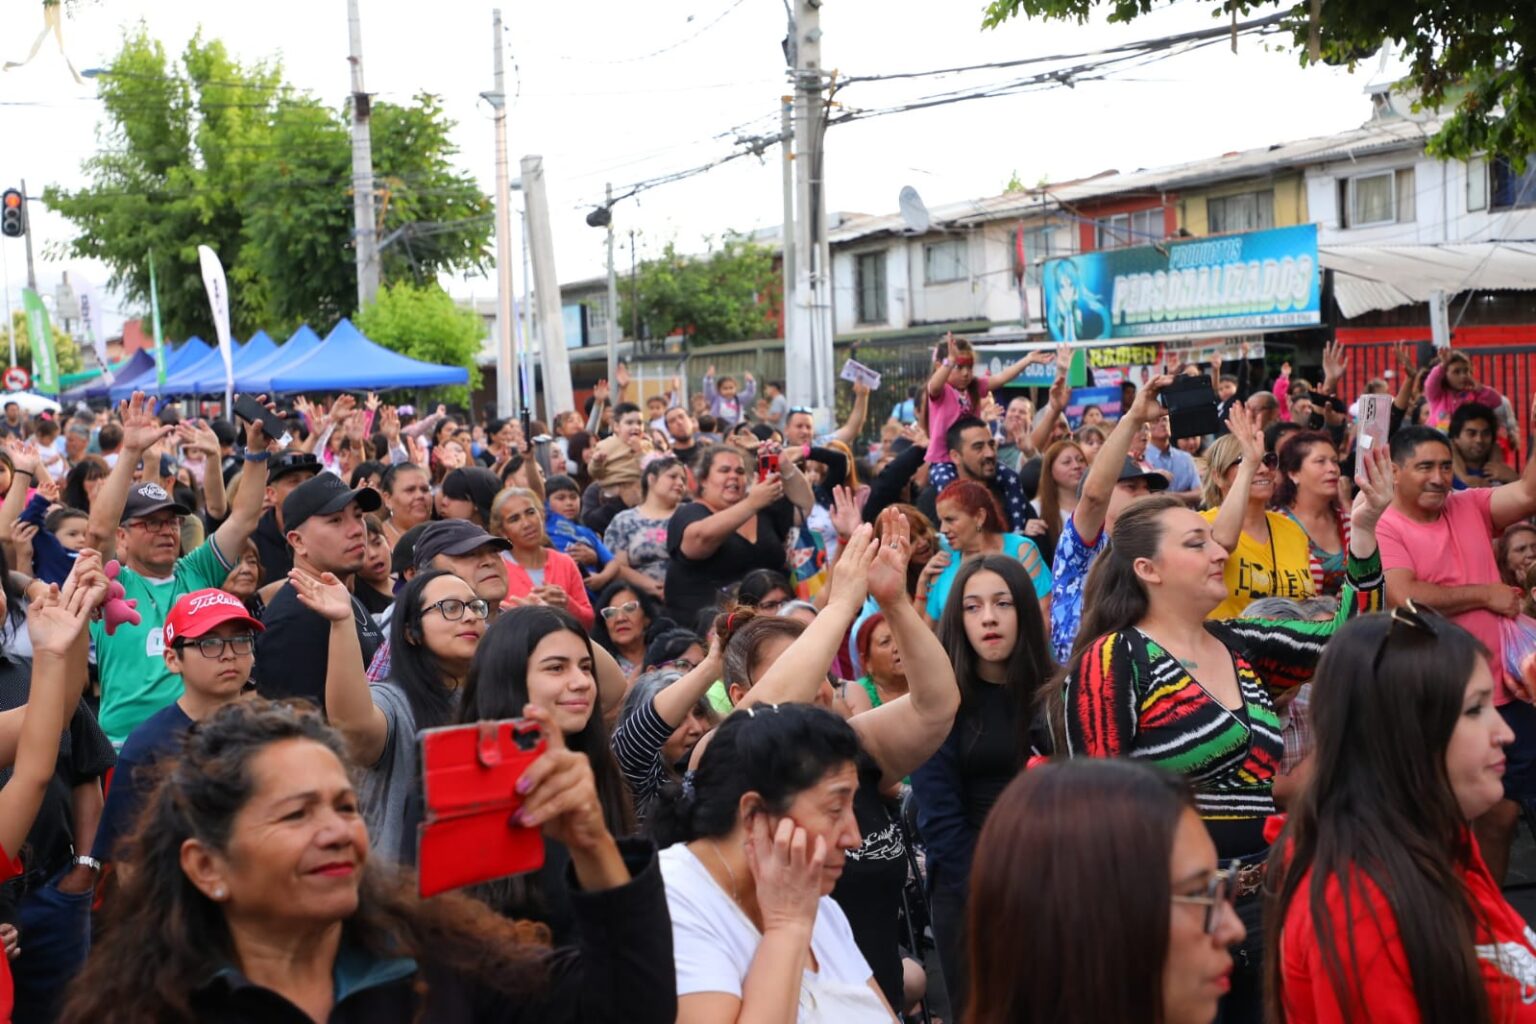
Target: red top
1506	950
10	867
559	571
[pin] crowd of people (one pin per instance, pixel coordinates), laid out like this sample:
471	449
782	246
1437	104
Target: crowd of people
1019	713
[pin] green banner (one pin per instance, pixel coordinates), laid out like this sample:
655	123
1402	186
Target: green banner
154	320
45	368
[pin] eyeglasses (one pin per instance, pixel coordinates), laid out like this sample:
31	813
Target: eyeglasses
168	525
772	605
1410	616
682	665
214	646
1219	892
453	609
627	608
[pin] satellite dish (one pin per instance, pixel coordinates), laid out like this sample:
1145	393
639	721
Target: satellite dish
913	211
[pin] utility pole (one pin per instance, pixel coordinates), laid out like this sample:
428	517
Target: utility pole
5	280
556	361
613	295
507	390
787	236
808	349
26	218
362	170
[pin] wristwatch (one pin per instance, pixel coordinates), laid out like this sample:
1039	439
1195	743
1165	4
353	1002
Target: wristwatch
83	861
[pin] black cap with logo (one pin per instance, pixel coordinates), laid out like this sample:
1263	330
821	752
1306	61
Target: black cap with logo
321	496
147	499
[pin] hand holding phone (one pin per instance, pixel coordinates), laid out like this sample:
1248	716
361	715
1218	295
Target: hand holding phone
1375	423
767	461
252	411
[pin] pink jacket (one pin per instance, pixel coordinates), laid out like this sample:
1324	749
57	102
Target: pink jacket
559	571
1444	400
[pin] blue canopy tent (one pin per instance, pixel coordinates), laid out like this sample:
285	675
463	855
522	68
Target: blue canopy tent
346	359
255	378
208	378
192	349
142	360
184	381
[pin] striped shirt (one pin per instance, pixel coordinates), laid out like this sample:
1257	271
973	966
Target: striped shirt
1328	567
637	741
1126	696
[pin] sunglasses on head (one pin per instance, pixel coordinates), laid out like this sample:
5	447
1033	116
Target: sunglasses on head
1410	617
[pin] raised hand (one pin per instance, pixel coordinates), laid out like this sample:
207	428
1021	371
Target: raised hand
766	491
1377	486
21	544
1146	408
1061	393
888	574
342	408
600	391
845	512
1335	362
198	436
372	403
1063	361
621	376
848	584
24	457
1245	428
1040	357
323	594
57	617
141	428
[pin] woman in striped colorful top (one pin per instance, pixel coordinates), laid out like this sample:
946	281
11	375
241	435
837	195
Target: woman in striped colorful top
1150	678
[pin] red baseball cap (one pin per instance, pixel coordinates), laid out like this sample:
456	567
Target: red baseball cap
197	613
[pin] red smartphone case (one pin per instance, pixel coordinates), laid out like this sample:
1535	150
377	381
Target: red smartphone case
768	462
469	776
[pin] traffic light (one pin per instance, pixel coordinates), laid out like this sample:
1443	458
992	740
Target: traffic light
13	214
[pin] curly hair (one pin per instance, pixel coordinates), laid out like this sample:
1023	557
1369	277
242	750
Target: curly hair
165	938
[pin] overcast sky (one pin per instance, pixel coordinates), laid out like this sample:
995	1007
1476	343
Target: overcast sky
600	103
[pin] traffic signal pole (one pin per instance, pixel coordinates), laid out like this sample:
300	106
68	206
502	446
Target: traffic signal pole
26	220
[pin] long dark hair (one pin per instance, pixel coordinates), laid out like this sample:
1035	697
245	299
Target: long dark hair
1294	451
655	623
92	467
497	688
1114	598
1380	809
1073	865
165	938
1029	666
413	666
774	750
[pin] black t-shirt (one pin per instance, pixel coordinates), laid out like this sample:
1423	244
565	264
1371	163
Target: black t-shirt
374	602
870	889
695	584
689	456
85	754
272	548
292	652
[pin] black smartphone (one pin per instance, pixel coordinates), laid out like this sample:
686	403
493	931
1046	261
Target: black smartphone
252	411
1191	404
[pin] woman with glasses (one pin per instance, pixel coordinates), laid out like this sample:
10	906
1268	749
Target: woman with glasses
542	656
536	572
675	648
1269	554
625	618
1309	493
211	647
765	590
1106	884
1151	676
1385	910
434	631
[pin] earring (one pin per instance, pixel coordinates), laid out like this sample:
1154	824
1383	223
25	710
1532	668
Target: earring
219	892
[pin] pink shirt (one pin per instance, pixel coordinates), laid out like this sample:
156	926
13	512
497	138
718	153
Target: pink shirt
559	571
1456	550
942	413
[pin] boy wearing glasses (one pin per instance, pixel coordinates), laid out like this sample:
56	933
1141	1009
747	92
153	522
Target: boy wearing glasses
209	647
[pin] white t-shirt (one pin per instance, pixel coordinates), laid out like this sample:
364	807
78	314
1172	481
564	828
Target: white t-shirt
713	942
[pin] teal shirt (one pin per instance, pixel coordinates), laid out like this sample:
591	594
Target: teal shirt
135	682
1015	546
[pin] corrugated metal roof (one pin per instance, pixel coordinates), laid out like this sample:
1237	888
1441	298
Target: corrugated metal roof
1370	277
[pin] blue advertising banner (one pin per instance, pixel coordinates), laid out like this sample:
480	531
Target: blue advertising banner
1262	280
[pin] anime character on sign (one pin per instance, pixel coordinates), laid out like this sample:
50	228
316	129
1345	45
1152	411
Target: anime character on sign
1078	313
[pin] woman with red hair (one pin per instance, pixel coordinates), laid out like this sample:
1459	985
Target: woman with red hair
972	525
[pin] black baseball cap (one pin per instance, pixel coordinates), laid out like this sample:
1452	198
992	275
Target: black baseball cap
285	463
453	537
147	499
1131	472
322	495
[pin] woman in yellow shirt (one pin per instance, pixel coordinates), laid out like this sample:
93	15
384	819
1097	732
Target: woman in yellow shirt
1270	556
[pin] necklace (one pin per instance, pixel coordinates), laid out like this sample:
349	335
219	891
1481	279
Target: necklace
715	848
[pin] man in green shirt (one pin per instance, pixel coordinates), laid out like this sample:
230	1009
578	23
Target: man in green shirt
140	524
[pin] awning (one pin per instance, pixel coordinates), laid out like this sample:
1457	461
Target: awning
1371	277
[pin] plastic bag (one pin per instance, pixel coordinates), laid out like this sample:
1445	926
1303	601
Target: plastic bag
1517	640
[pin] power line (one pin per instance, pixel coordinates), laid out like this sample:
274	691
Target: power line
717	19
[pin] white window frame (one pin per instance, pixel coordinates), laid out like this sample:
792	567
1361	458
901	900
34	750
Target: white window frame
1262	198
1391	175
881	308
1478	185
961	261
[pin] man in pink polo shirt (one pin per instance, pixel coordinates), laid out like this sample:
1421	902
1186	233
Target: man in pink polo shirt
1437	551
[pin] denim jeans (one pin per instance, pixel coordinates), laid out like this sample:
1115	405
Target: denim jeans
55	936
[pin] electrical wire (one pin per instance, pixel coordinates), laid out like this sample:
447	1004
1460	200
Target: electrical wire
717	19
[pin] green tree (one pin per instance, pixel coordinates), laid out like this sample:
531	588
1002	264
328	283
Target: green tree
729	294
422	321
1476	60
207	150
65	351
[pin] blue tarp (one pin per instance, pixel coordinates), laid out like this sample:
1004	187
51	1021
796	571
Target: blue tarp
209	377
193	350
137	363
184	381
346	359
255	378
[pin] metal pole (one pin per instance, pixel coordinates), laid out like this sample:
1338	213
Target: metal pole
553	357
362	169
26	223
10	322
613	296
527	313
808	346
506	359
787	232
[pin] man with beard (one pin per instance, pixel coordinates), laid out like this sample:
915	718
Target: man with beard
974	450
1473	429
1437	552
324	520
683	433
